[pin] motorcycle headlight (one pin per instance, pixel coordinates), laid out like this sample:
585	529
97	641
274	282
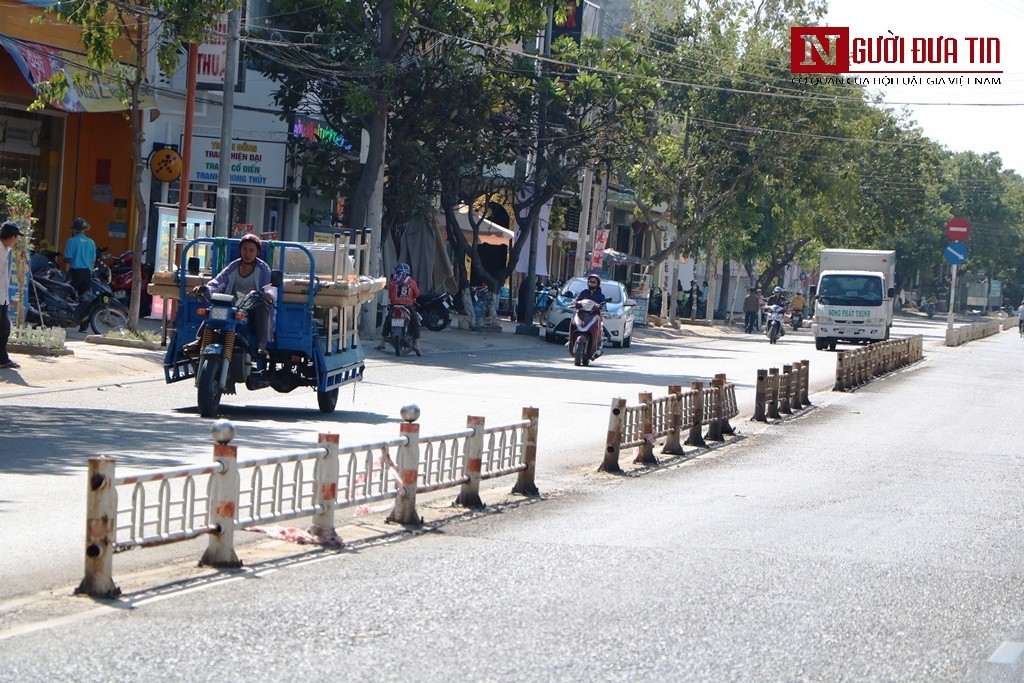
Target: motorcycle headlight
219	313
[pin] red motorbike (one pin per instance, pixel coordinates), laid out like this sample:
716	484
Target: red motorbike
117	272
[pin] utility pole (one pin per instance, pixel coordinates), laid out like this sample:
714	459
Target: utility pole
221	227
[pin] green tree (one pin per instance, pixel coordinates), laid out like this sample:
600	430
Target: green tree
118	38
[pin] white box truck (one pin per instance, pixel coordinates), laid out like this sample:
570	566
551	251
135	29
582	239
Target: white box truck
853	297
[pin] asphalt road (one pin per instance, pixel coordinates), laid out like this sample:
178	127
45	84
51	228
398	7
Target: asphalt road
146	424
872	538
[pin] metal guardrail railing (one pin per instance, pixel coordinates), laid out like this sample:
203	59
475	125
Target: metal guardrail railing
781	393
958	336
181	503
643	424
858	366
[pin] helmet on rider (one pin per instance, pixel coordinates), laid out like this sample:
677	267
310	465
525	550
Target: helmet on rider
593	280
402	272
249	237
777	290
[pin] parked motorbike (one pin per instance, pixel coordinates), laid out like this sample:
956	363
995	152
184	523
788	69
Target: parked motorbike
773	324
582	345
546	295
434	308
400	338
796	320
57	304
929	308
117	272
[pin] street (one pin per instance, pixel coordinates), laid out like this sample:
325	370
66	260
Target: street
871	538
147	424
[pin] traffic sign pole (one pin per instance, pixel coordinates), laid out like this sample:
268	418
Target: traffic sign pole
952	301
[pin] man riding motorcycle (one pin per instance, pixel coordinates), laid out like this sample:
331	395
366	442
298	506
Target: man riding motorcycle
594	293
778	298
403	291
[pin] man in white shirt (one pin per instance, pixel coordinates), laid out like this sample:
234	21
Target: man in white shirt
9	234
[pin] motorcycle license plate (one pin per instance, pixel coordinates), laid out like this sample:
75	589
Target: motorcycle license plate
398	322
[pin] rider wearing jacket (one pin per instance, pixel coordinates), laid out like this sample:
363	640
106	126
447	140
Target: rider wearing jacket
594	293
778	298
403	291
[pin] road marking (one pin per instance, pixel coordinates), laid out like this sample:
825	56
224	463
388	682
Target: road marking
1007	653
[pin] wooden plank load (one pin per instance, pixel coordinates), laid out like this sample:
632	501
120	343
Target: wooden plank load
347	290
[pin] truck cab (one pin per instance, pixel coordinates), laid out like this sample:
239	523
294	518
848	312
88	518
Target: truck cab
851	306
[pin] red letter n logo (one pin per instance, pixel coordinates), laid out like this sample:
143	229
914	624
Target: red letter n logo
819	50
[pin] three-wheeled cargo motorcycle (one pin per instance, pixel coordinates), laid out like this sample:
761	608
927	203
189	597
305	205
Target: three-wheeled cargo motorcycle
311	345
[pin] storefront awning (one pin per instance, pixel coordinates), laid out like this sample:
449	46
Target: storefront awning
39	63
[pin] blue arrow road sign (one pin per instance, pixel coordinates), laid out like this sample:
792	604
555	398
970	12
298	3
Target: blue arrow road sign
955	253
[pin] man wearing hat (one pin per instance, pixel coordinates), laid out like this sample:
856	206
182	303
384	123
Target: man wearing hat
80	252
9	234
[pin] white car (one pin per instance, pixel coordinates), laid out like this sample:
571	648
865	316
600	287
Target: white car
618	317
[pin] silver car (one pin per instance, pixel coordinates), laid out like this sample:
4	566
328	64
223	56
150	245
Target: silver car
617	321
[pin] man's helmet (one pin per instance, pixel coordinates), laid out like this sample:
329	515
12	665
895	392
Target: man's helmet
777	290
249	237
403	269
594	277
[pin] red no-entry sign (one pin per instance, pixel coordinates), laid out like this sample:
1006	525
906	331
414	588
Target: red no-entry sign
957	229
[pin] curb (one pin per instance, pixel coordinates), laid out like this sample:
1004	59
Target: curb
25	349
127	343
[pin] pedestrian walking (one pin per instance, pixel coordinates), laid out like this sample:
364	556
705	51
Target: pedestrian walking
1020	318
751	305
9	234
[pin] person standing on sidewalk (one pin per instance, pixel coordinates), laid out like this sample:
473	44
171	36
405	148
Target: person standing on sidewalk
9	234
80	252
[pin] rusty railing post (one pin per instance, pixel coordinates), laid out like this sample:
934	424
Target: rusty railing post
100	523
616	423
645	454
760	396
675	418
469	494
325	488
773	394
696	437
526	483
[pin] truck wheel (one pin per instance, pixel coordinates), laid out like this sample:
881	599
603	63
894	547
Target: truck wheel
831	344
327	400
207	391
888	328
820	343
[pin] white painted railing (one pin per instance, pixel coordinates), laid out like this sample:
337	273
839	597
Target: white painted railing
181	503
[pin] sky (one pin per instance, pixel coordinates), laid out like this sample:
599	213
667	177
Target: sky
960	117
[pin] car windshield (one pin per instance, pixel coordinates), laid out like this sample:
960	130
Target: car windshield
612	290
851	290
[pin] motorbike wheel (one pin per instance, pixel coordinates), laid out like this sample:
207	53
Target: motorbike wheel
773	334
207	390
580	351
398	339
435	320
327	400
105	320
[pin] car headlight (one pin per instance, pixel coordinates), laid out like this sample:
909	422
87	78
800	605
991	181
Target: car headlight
616	315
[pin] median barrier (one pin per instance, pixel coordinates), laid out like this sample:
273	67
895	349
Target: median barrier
777	394
958	336
215	500
641	425
855	367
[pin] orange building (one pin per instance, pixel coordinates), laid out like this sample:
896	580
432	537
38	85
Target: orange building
77	156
